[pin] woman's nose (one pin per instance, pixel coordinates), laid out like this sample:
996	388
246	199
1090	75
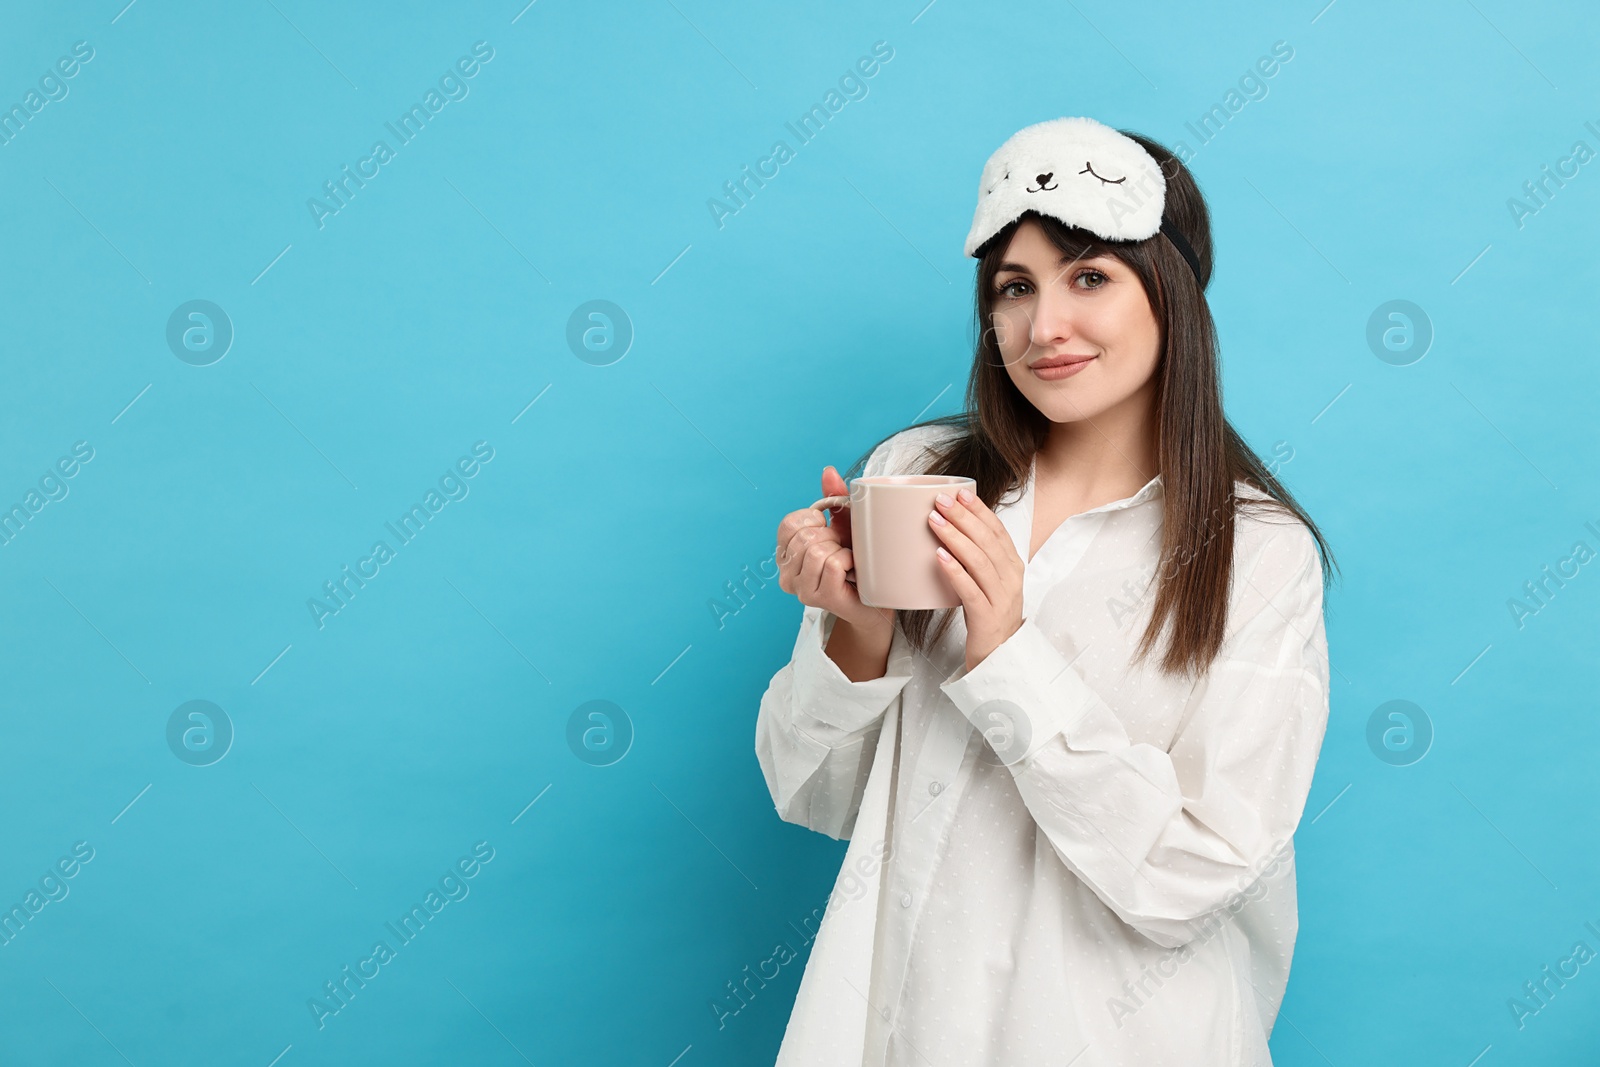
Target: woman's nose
1052	318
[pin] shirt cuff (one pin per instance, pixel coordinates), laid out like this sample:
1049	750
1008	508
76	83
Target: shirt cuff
831	707
1025	693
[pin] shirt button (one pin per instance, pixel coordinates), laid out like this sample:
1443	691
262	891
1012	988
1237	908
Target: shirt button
905	900
934	788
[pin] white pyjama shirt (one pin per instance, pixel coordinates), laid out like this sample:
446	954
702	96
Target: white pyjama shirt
1058	858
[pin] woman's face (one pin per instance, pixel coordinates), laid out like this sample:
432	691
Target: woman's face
1092	312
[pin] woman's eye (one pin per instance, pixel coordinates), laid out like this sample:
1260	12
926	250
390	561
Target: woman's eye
1018	288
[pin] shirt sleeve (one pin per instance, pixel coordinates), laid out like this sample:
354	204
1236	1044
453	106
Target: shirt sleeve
1166	838
816	729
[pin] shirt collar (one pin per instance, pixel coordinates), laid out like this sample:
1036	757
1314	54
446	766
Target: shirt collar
1017	517
1149	491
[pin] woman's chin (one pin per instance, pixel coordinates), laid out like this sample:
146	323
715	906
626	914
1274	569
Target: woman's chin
1065	405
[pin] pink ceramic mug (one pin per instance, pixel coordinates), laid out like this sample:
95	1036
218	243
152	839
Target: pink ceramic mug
892	541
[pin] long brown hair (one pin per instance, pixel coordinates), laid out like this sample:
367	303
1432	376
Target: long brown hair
1199	453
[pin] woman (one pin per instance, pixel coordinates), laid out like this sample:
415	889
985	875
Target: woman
1063	849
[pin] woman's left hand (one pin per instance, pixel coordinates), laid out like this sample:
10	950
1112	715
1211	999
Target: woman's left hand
984	569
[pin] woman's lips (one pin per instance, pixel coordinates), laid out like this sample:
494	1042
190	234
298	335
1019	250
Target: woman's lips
1060	367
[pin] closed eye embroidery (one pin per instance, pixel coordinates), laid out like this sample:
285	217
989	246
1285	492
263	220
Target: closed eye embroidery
996	185
1088	168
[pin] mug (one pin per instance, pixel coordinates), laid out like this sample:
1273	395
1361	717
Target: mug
894	547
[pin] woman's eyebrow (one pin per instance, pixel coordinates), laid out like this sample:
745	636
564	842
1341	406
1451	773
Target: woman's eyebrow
1064	261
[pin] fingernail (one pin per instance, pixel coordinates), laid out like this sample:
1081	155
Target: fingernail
938	518
944	498
966	496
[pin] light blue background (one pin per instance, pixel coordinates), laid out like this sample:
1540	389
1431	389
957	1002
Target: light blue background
835	307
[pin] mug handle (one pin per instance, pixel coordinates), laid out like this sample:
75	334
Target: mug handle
828	503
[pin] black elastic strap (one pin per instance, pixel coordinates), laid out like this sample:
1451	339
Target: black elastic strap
1182	245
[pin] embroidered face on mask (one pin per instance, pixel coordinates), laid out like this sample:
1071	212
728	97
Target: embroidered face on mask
1076	169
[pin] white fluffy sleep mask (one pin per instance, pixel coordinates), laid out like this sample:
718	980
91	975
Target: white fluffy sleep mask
1079	171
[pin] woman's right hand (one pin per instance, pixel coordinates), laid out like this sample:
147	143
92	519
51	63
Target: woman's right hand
813	558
